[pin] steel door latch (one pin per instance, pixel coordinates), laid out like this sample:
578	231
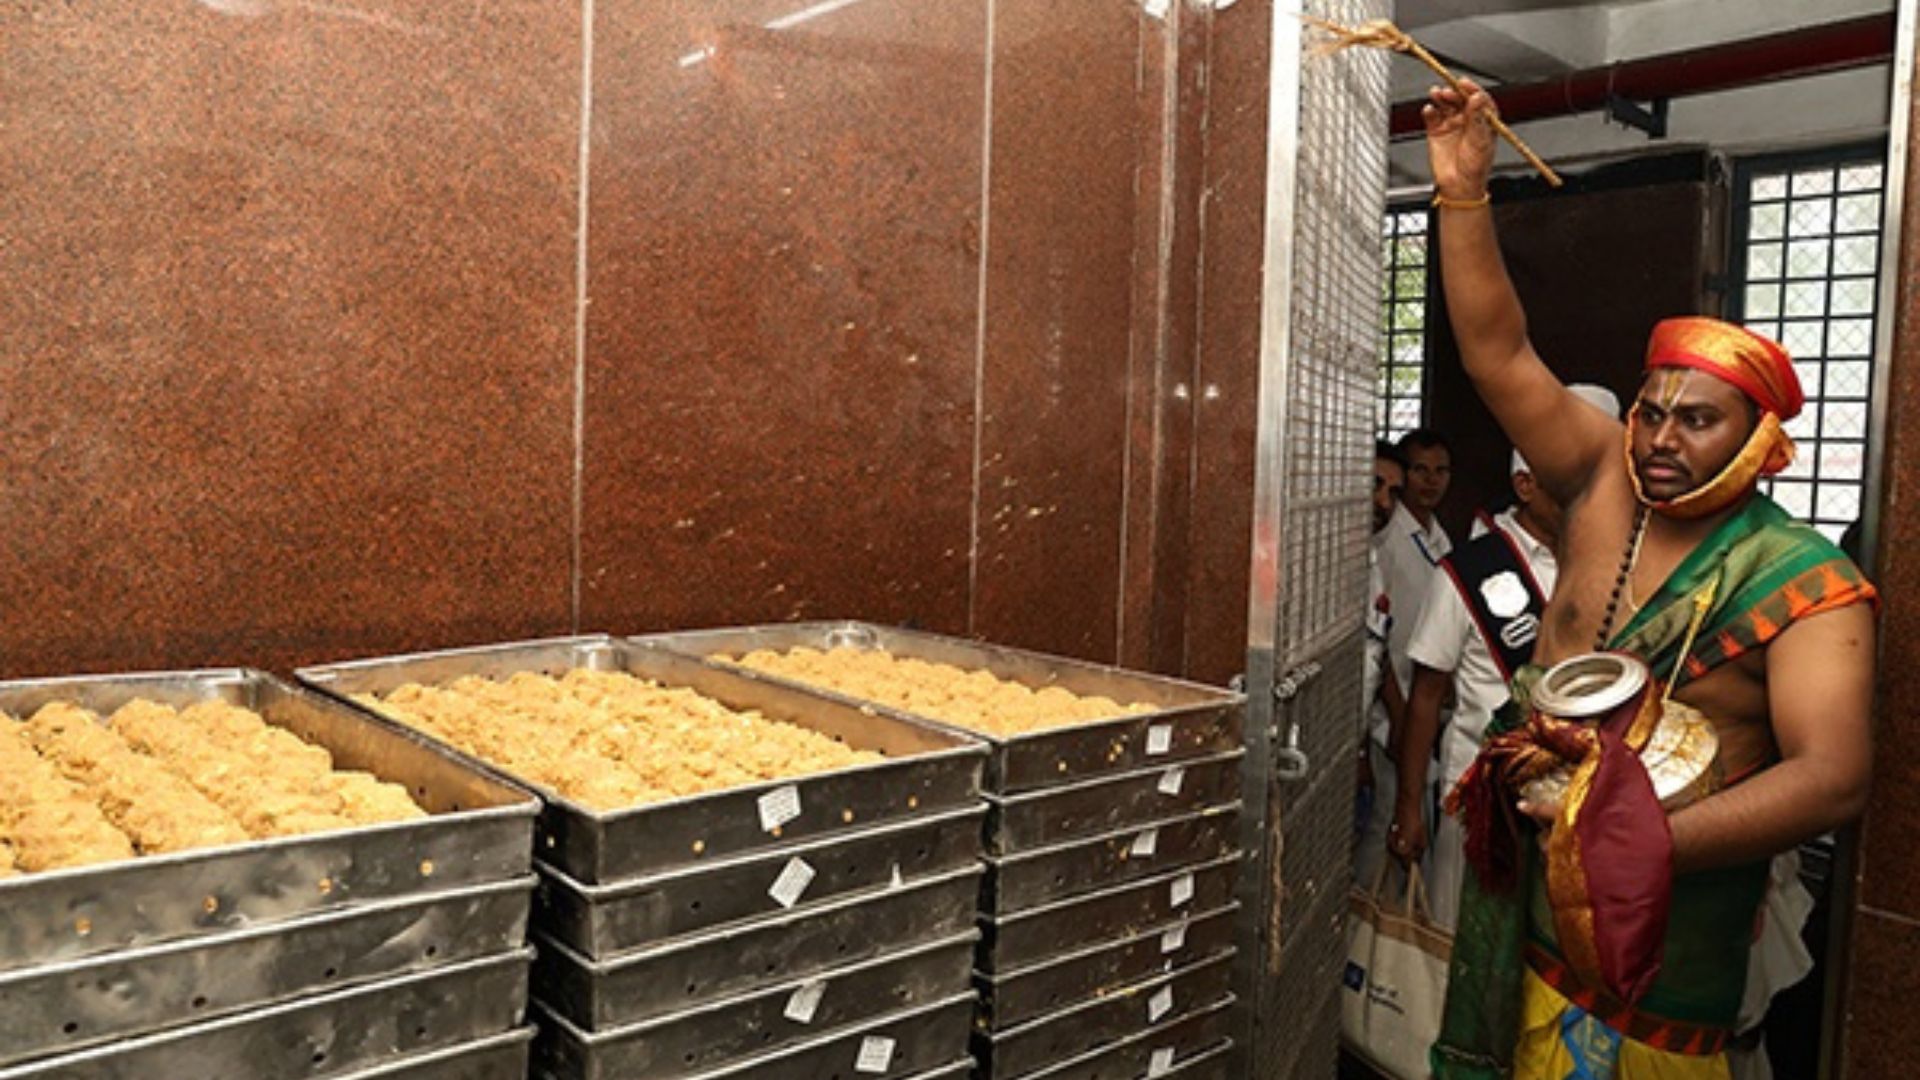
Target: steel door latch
1290	762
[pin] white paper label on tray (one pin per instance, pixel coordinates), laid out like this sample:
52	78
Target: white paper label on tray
1161	1063
1182	889
792	882
876	1055
1174	939
1145	844
779	806
1160	1004
896	882
1173	780
1159	738
804	1002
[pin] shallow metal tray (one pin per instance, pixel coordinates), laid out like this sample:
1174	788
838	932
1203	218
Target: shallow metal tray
1042	875
1196	1044
324	1035
1016	996
659	980
1107	1018
480	831
1107	803
496	1057
930	768
915	1042
599	920
1123	911
1194	720
57	1008
757	1023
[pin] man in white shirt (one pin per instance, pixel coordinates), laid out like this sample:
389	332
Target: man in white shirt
1407	549
1372	804
1478	623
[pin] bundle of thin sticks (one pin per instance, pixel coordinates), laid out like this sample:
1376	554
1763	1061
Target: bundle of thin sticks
1382	34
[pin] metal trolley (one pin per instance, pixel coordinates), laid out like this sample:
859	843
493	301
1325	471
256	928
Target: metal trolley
1107	911
389	950
822	925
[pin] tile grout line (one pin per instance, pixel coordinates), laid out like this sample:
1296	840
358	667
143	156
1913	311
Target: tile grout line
580	315
980	327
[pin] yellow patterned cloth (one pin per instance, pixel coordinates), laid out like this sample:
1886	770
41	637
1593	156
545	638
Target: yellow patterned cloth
1561	1041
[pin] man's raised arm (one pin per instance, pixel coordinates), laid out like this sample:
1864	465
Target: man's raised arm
1561	437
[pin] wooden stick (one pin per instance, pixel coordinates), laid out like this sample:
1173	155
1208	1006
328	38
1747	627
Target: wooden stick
1382	34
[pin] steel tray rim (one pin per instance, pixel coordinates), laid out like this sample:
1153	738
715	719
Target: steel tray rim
1136	987
1229	908
800	1048
648	953
1089	782
635	1028
1216	1050
520	1035
624	887
1151	881
1217	810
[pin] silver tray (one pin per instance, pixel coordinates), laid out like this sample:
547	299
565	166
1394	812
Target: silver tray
479	832
917	1038
496	1057
660	980
599	920
1016	996
757	1023
1106	1019
1196	720
58	1008
1197	1044
1123	911
324	1035
930	768
1107	803
1031	878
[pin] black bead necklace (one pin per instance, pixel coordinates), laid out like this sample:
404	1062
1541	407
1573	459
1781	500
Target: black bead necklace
1627	561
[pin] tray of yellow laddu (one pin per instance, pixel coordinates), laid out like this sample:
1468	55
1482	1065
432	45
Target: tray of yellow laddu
647	761
1048	720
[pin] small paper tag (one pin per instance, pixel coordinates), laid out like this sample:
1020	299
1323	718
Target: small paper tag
1182	889
792	882
1173	780
896	882
876	1055
779	806
1174	939
1160	1004
1145	844
804	1002
1161	1063
1159	738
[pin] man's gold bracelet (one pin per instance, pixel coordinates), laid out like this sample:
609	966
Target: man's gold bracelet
1442	202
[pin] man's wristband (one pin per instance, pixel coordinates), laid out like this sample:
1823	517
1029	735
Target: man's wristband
1442	202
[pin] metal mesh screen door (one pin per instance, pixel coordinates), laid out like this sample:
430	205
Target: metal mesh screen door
1320	342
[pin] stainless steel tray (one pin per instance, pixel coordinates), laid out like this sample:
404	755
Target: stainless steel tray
1192	719
480	831
1108	1018
57	1008
1123	911
1092	807
1196	1045
930	768
317	1036
599	920
656	981
1042	875
917	1040
496	1057
1019	995
757	1023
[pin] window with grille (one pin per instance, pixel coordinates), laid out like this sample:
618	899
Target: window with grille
1403	345
1807	255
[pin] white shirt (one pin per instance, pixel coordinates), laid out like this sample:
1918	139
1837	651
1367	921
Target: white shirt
1446	639
1409	561
1379	623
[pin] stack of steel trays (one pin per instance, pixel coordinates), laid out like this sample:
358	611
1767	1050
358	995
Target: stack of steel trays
394	950
795	930
1107	912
